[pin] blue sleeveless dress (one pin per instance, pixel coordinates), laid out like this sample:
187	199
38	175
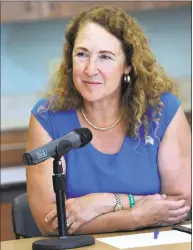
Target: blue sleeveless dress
134	169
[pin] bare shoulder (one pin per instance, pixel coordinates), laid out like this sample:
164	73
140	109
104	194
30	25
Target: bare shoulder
37	135
177	137
179	121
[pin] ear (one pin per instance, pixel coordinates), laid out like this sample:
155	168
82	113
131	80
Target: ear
127	70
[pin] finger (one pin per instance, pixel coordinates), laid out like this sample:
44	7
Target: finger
50	216
67	214
180	211
70	220
54	225
69	211
74	227
178	219
175	204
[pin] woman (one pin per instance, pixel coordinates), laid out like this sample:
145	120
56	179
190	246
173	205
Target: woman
136	170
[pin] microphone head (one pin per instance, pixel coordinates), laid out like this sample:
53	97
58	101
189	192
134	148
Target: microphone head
85	135
27	159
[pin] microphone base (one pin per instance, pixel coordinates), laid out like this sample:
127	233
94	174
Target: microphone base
68	242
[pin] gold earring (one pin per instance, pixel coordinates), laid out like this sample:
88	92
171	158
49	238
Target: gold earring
127	79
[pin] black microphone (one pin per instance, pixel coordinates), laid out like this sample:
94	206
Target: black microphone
76	139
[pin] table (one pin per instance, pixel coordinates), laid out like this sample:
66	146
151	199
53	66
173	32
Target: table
26	244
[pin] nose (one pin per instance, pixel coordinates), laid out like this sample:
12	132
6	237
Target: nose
91	68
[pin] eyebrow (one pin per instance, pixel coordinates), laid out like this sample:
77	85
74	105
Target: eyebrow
101	51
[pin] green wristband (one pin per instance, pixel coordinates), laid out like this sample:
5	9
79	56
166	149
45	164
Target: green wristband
131	200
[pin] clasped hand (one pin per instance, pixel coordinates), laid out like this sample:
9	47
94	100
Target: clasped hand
78	212
158	210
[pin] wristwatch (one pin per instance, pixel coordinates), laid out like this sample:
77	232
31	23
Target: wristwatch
119	204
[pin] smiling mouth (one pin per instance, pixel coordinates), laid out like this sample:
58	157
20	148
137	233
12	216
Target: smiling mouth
92	83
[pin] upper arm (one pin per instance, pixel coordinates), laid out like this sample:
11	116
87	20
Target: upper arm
39	177
174	157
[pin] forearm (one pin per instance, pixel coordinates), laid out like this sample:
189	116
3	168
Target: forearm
110	222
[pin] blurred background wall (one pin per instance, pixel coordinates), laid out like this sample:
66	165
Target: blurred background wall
32	38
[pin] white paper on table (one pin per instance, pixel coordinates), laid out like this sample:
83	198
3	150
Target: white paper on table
188	226
147	239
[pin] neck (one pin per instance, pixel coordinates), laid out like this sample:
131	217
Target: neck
103	114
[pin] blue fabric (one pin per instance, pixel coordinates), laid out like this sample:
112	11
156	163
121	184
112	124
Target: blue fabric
133	170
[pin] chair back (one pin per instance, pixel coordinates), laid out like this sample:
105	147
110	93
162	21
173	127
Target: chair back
23	221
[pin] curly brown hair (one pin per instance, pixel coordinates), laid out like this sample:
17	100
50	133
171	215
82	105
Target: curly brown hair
148	78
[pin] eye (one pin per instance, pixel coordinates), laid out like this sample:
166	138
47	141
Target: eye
81	54
105	57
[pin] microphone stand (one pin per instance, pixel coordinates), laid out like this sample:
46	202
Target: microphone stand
63	241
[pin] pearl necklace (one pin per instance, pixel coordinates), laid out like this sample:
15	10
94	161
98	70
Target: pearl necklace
99	128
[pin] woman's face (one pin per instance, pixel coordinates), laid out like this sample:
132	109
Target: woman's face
98	63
